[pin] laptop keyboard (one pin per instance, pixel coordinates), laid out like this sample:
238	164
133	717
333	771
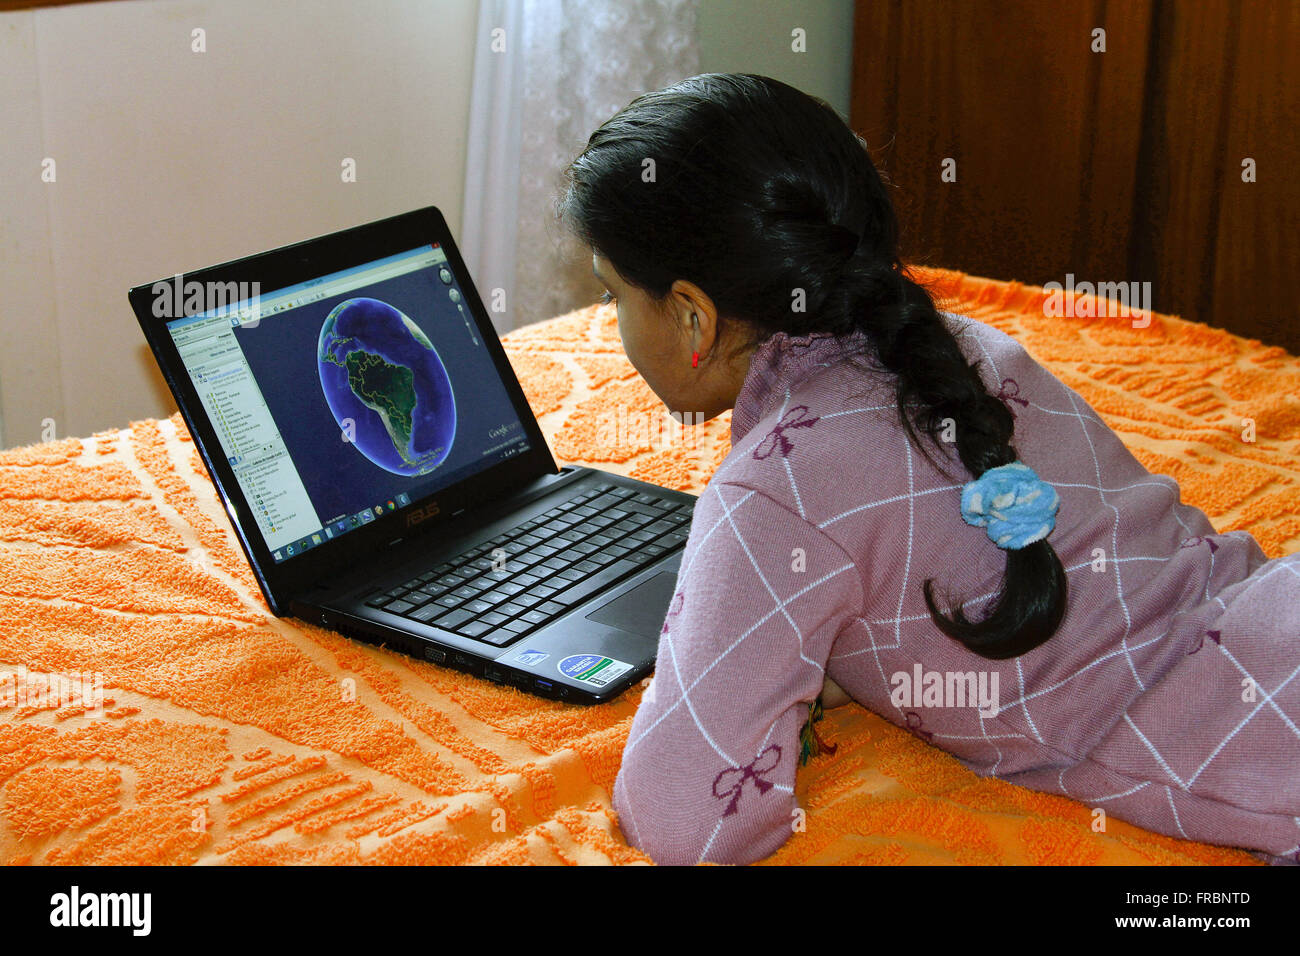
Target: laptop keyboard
528	575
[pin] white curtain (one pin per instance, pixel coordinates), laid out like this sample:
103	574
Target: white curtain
547	73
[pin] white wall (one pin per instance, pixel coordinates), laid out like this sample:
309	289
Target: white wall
754	36
172	160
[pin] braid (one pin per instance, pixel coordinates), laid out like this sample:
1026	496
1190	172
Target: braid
898	316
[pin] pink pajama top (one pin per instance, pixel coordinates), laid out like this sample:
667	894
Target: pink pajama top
1168	696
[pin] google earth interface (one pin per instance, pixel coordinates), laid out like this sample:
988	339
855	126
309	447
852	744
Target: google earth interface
339	399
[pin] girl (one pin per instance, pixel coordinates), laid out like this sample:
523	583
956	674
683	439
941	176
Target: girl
913	510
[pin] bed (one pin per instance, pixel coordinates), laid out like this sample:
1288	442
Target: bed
156	711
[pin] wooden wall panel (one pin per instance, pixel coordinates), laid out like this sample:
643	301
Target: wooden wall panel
1257	240
1044	132
1117	167
1183	157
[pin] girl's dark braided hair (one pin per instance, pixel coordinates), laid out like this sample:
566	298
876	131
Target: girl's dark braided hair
758	194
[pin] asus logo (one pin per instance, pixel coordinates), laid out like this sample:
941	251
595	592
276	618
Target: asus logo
422	514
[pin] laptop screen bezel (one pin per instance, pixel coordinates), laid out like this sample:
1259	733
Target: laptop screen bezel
301	262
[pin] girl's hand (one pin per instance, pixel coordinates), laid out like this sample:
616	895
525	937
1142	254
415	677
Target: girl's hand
833	695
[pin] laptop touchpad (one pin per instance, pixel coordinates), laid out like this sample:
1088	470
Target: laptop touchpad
641	610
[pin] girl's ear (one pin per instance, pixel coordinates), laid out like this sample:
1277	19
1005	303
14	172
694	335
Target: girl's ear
694	313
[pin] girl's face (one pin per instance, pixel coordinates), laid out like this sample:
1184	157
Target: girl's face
660	340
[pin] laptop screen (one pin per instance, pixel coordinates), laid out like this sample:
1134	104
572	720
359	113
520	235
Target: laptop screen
341	398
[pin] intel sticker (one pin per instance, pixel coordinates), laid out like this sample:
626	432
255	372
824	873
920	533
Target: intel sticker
529	657
593	669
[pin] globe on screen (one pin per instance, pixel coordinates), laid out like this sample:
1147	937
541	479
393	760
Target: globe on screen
382	374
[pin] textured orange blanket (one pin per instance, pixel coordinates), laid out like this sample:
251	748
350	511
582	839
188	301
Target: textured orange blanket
227	735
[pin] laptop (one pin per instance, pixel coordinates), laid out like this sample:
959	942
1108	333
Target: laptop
386	477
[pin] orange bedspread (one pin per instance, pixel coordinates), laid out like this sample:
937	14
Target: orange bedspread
227	735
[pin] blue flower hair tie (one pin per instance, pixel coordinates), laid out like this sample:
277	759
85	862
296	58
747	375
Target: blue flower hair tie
1013	503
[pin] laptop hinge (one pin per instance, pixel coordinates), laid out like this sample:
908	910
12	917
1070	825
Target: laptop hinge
484	512
398	551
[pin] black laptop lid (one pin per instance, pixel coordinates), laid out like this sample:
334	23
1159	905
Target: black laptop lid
345	392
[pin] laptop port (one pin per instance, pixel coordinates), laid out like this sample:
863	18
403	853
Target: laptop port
471	665
435	654
545	686
494	673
